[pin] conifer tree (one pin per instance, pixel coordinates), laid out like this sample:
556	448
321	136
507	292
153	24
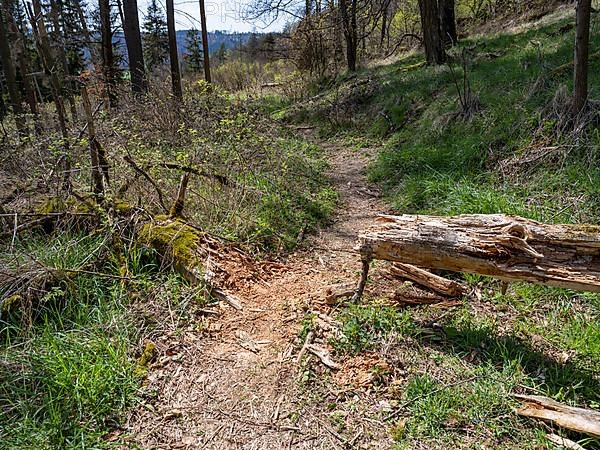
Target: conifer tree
156	41
193	51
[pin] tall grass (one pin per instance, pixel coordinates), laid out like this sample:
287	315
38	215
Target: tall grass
66	356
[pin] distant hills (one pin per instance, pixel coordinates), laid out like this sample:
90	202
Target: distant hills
215	39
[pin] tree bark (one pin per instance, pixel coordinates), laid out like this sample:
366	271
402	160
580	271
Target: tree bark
205	51
434	282
507	247
173	56
572	418
430	24
38	26
582	39
348	14
10	74
447	23
67	84
133	40
108	60
25	68
97	155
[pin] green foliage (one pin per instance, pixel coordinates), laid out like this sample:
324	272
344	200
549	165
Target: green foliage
154	38
364	326
262	185
66	360
194	57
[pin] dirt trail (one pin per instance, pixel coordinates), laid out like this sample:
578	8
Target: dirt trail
235	382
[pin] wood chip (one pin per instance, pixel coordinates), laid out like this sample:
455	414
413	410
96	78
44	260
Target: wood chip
323	355
564	442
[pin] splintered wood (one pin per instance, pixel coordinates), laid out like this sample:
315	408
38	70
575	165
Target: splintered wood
569	417
507	247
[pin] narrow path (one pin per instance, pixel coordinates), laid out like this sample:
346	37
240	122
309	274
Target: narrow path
236	383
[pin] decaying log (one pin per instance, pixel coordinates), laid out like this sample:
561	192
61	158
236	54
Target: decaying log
429	280
507	247
576	419
199	256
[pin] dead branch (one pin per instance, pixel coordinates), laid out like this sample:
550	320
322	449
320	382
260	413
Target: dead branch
129	160
577	419
429	280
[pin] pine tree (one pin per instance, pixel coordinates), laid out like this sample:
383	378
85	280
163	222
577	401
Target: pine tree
220	55
193	51
156	41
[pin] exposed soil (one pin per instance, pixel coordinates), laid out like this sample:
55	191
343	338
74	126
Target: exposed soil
233	379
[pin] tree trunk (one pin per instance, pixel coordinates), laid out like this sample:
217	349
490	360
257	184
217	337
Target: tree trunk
43	46
384	17
97	156
88	36
68	92
25	68
133	40
10	74
430	24
108	61
205	51
447	23
582	39
173	56
350	32
506	247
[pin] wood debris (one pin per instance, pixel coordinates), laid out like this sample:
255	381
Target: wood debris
564	442
572	418
429	280
323	355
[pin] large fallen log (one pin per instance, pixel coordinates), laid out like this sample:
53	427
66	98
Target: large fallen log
507	247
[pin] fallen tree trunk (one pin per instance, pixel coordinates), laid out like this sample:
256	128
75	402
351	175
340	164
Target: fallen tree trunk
200	257
569	417
507	247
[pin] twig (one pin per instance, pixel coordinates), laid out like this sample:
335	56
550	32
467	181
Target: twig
128	159
309	337
366	262
212	436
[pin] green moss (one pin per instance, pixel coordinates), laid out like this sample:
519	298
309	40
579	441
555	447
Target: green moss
51	205
10	302
173	238
141	366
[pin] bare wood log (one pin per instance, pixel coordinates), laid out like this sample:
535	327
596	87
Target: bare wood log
577	419
429	280
507	247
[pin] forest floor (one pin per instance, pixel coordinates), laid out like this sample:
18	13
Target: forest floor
232	379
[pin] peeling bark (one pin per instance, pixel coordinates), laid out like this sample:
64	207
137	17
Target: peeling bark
507	247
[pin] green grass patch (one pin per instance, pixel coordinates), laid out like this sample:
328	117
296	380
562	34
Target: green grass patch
364	326
67	355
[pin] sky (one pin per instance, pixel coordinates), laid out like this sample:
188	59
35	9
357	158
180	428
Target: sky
226	15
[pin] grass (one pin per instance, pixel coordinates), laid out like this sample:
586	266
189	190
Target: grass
434	161
67	358
462	367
